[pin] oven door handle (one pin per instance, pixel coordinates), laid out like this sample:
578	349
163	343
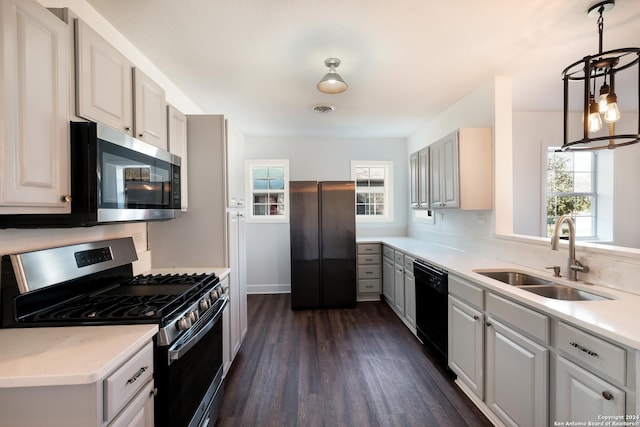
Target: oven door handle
179	349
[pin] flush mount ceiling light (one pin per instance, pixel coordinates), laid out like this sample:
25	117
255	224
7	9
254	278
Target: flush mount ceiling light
602	69
332	83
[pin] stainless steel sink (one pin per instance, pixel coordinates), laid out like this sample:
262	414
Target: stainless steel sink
562	292
515	278
540	286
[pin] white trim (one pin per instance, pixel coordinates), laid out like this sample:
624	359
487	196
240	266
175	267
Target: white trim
269	289
388	190
266	219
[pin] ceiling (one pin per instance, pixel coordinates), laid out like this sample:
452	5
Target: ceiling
258	61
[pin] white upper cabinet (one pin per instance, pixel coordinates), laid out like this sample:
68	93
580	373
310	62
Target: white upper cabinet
235	166
34	110
177	141
461	170
109	90
104	83
419	179
150	118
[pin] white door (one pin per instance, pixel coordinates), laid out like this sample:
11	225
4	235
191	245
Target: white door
466	344
450	171
582	396
517	377
410	298
104	81
398	286
150	116
34	135
177	142
388	276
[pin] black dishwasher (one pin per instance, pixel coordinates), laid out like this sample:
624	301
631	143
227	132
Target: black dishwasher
431	307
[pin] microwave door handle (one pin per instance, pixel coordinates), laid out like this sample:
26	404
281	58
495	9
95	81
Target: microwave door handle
178	350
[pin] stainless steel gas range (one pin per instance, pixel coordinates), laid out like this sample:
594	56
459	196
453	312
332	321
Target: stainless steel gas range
93	284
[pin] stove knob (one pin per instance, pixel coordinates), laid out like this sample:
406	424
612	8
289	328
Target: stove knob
213	295
184	323
205	303
193	316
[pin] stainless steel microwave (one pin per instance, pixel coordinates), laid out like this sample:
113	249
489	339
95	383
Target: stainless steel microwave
114	178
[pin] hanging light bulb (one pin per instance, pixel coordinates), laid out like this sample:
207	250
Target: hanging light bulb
612	114
595	122
602	102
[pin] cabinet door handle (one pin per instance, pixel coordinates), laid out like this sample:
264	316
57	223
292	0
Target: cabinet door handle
607	395
581	348
127	128
475	317
141	135
66	198
135	376
488	323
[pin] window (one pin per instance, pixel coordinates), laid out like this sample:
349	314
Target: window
571	190
374	199
268	190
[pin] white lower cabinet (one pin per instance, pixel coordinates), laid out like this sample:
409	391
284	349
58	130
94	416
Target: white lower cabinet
398	283
409	292
388	278
517	376
466	344
583	397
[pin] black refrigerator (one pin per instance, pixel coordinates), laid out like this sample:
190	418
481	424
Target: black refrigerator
323	244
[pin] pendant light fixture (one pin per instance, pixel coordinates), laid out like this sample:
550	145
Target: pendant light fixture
602	69
332	83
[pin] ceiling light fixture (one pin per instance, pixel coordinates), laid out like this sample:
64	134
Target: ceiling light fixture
332	83
603	68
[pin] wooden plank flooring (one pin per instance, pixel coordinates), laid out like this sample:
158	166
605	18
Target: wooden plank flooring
342	367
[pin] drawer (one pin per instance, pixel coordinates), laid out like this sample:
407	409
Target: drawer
368	272
368	286
399	258
467	291
369	259
388	252
526	320
408	263
126	381
595	353
369	248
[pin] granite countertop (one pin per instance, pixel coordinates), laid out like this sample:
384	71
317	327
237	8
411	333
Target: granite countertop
32	357
616	319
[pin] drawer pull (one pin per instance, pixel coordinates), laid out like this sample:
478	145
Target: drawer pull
368	272
581	348
607	395
135	376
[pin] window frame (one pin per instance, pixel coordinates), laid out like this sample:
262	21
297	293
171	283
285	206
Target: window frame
266	219
388	190
593	194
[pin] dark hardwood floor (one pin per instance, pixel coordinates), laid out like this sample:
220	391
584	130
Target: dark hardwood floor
340	367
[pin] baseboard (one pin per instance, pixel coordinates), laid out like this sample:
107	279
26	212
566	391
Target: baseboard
269	289
479	404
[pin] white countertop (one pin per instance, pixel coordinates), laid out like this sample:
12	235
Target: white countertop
31	357
617	319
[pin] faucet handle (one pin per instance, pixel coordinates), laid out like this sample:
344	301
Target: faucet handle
579	267
556	270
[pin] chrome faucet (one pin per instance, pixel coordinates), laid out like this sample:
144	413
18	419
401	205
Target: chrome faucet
573	265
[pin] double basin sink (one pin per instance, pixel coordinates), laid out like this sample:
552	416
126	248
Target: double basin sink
540	286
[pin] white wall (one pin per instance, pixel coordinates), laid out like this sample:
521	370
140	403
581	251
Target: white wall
321	159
